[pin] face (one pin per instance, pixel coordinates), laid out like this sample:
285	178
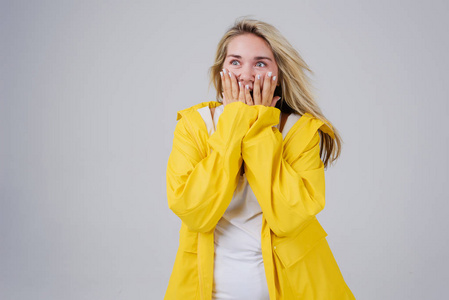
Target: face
248	56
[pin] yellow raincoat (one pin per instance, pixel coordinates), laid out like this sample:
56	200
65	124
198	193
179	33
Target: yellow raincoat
287	177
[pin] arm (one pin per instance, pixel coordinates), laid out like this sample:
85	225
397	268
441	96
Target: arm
287	179
199	189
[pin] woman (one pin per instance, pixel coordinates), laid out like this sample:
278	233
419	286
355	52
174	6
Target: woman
246	177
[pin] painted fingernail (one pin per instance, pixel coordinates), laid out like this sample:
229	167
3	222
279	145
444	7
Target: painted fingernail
258	76
274	78
224	71
240	84
247	86
221	74
230	75
269	74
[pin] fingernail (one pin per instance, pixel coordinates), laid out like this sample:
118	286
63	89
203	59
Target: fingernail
247	86
230	74
269	74
224	71
240	84
221	74
258	76
274	78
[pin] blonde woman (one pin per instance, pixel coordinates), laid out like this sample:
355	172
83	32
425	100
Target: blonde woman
246	177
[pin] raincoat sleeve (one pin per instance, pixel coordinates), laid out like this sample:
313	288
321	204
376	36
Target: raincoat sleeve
288	180
200	187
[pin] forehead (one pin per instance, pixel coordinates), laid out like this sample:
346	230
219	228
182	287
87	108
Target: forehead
249	45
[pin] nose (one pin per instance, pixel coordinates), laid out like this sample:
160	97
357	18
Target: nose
247	76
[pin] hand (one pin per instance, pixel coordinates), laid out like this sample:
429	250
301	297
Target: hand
233	91
265	97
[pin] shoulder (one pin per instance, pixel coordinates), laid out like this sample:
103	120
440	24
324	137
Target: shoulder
191	120
311	124
187	111
305	132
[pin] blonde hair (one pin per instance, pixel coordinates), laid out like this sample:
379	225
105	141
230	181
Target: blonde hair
295	84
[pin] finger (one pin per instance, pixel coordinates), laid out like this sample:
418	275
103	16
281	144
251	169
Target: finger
226	85
234	86
248	98
241	93
223	87
267	95
274	101
256	90
273	85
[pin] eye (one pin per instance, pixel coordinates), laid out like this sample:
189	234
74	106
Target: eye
260	64
235	62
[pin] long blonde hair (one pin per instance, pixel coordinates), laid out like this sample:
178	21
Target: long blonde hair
295	84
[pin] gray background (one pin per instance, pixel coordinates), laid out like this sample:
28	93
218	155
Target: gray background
89	92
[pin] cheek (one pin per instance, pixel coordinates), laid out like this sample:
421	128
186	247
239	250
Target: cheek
274	72
273	69
233	68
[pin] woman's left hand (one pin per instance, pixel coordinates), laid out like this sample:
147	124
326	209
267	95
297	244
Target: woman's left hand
265	97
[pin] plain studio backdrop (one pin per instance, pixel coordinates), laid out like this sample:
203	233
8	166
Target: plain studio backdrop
89	92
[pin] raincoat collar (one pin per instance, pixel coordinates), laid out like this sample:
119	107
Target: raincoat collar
326	127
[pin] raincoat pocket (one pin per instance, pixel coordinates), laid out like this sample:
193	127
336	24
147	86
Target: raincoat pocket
292	249
188	240
308	269
184	281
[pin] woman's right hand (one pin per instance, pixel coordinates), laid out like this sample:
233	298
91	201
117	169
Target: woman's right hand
233	91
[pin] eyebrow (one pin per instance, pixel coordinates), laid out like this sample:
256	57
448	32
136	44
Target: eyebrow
256	58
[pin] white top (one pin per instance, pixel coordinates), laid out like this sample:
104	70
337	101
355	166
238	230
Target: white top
238	267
